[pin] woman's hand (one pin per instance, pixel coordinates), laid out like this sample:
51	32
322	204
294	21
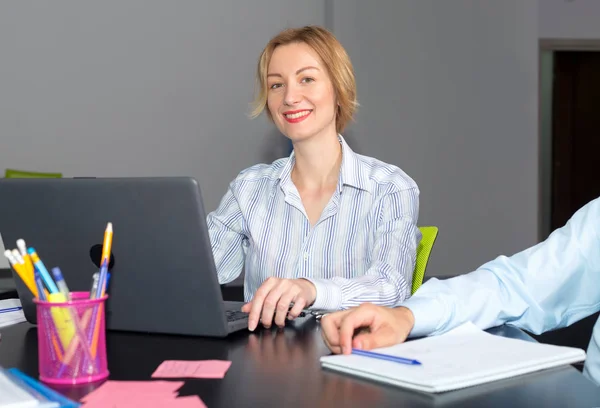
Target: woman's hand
271	302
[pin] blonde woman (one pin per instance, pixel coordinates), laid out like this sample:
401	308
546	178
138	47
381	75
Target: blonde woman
325	228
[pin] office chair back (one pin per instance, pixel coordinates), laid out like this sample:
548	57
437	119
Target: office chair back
429	234
12	173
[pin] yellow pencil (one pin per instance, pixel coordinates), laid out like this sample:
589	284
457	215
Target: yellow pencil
26	258
20	269
104	262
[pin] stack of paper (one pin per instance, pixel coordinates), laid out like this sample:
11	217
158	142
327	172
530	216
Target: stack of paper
138	394
11	312
461	358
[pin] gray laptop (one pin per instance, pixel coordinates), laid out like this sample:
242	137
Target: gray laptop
163	276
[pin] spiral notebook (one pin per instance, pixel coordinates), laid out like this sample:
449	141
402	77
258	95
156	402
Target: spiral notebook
461	358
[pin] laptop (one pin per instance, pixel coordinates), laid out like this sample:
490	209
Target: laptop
163	276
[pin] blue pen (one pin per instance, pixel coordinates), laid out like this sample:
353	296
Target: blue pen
386	357
11	309
40	285
39	265
60	282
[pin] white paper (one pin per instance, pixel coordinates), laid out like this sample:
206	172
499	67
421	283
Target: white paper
10	318
461	358
13	396
3	261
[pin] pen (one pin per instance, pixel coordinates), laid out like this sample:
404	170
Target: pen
102	284
11	309
386	357
39	265
40	285
60	282
95	278
106	248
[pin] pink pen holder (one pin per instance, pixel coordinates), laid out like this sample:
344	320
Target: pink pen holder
71	339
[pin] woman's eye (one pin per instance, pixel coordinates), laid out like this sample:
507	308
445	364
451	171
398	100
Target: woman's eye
307	80
275	86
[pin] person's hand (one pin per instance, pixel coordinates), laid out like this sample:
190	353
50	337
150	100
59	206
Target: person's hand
271	302
366	327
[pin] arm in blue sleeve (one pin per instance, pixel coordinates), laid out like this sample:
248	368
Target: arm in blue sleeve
548	286
227	237
388	280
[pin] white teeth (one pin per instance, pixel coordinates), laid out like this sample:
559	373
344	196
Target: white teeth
297	115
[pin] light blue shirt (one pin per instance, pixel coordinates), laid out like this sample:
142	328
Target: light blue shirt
548	286
362	249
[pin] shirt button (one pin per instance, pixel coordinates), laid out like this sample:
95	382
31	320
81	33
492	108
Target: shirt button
306	256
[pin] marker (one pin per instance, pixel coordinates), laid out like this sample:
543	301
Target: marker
57	348
386	357
60	282
39	265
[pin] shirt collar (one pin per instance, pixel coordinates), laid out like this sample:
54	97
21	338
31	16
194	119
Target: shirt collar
352	172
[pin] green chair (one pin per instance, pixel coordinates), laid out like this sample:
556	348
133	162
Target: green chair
429	234
12	173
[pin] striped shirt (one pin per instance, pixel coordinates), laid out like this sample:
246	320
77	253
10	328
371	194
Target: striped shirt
362	249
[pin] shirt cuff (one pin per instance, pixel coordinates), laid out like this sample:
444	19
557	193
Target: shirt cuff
329	295
427	313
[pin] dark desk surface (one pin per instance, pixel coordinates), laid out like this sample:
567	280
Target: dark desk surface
281	368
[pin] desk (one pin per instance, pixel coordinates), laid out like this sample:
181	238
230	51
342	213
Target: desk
281	368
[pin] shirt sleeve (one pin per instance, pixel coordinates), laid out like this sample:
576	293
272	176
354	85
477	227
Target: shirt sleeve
388	280
545	287
227	237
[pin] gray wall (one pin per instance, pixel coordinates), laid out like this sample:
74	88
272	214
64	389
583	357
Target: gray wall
138	87
448	92
569	19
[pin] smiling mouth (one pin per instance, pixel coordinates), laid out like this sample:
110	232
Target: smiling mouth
298	116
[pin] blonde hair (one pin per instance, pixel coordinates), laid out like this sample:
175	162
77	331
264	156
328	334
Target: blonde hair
334	58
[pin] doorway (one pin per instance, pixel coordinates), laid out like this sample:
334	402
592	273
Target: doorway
570	131
569	148
575	133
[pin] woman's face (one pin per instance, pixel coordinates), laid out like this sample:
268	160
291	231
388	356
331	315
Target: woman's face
300	97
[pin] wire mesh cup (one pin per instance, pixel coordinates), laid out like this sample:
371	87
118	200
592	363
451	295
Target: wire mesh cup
72	339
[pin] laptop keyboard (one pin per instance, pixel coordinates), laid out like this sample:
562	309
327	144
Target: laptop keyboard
235	315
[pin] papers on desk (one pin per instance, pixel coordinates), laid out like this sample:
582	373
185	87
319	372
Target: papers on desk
11	312
18	390
460	358
11	395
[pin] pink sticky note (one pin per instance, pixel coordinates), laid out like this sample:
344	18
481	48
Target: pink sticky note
145	401
192	369
109	389
187	402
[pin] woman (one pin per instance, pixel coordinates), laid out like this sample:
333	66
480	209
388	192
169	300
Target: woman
325	228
